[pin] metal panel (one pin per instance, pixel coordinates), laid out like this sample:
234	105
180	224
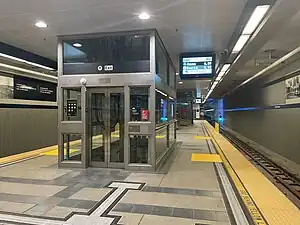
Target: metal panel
26	129
106	80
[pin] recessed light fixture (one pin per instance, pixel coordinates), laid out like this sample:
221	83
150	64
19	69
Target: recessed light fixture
41	24
77	45
180	82
241	43
144	16
256	18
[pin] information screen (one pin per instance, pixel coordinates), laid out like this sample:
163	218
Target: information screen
33	89
197	65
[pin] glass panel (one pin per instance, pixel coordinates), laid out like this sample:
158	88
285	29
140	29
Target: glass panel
72	104
139	110
172	128
172	77
117	127
172	109
161	142
161	108
72	147
129	53
98	126
161	63
6	87
138	149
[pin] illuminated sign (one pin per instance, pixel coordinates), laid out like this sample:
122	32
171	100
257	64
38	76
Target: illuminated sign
197	65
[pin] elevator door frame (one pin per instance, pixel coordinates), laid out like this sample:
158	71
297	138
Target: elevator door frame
107	137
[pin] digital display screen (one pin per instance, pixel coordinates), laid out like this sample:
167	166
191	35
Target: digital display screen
33	89
197	65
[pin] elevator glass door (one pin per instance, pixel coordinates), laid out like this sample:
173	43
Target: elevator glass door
106	127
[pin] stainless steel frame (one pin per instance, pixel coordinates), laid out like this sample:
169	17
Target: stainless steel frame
96	81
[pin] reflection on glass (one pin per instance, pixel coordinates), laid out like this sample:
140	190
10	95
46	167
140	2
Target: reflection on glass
117	127
138	149
172	77
161	142
98	127
172	131
139	110
161	114
6	87
72	147
161	63
113	49
72	104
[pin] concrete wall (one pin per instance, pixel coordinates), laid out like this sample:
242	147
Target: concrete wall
275	129
25	129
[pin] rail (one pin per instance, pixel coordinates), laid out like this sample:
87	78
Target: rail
160	126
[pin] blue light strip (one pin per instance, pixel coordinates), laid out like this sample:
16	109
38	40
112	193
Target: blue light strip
279	106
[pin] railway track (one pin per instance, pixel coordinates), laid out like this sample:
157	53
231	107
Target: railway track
281	176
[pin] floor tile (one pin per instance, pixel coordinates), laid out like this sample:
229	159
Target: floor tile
14	207
183	213
61	212
128	218
86	204
92	194
69	203
149	179
123	207
204	215
162	211
30	189
173	200
142	209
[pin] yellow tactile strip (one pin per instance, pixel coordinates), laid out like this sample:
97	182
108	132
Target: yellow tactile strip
25	155
202	138
196	157
276	208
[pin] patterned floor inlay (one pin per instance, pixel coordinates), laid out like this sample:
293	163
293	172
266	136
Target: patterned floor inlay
100	213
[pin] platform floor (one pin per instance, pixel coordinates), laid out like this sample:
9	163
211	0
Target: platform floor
194	190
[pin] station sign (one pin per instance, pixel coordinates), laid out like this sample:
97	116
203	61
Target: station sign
33	89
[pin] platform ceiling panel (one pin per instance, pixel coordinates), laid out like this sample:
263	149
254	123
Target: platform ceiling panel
184	25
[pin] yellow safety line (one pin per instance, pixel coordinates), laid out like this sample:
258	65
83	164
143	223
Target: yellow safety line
196	157
249	203
202	138
43	151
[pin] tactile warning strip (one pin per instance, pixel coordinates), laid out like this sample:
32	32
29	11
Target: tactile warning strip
276	208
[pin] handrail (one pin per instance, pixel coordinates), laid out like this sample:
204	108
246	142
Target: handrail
165	125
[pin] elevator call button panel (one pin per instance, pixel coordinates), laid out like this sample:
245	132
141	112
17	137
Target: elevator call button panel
72	107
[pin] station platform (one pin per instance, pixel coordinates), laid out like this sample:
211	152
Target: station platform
206	181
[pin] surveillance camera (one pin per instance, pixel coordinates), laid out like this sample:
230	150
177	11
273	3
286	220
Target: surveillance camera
83	81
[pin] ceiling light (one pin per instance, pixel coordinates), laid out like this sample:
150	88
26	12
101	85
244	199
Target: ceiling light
41	24
164	94
255	18
180	82
25	61
77	45
177	73
27	71
241	43
144	16
225	67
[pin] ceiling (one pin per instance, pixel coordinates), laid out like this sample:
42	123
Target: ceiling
278	36
184	25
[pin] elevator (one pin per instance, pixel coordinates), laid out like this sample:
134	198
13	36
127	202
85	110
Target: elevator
116	101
